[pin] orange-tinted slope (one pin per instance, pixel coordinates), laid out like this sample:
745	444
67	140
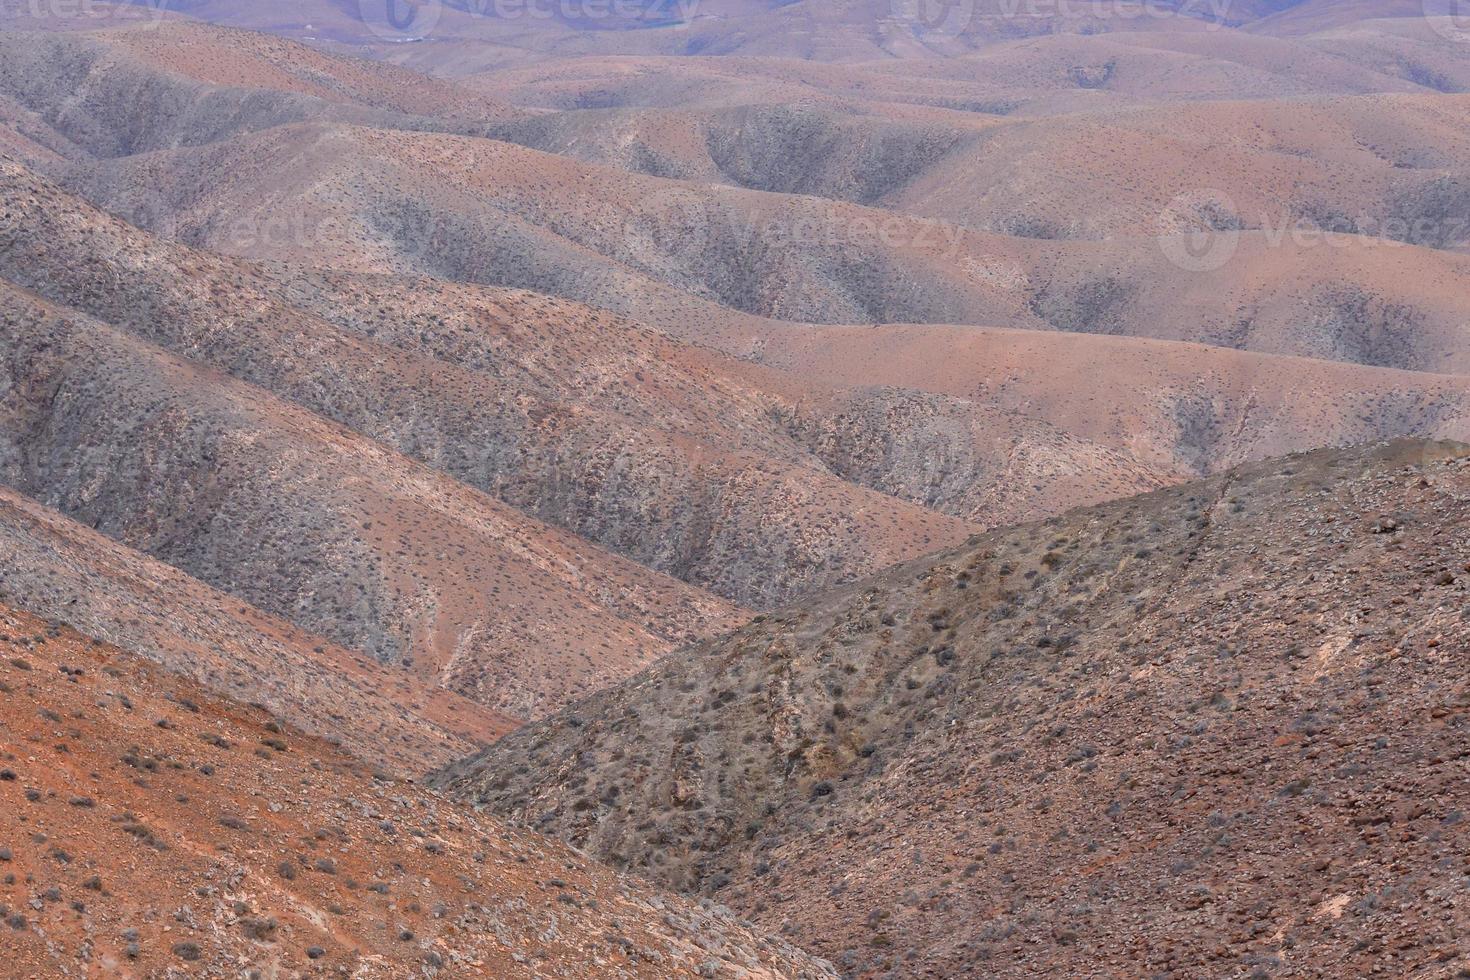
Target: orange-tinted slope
149	829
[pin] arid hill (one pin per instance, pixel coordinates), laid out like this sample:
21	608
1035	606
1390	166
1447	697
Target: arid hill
1186	408
787	410
68	573
694	464
593	422
698	260
464	35
114	93
1384	166
337	246
313	522
1031	77
1387	151
1213	729
149	828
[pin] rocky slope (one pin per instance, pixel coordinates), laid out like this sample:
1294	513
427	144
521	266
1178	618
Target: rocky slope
671	455
149	828
1184	408
1387	165
113	93
403	396
458	38
1214	729
692	257
68	573
313	522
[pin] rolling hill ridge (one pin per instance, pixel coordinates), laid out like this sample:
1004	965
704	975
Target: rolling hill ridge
1203	729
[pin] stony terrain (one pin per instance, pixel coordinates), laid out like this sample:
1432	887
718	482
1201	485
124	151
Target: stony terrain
597	424
813	192
315	523
151	87
149	829
1184	407
692	258
403	373
1212	730
68	573
754	484
452	39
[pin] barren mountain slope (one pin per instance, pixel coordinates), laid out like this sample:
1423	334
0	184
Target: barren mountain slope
1385	162
671	253
801	495
314	523
117	92
674	413
794	149
1208	730
1393	166
1427	51
638	113
684	460
148	828
684	83
697	260
452	38
1034	76
1178	408
68	573
590	421
247	59
449	39
1312	16
489	212
1075	72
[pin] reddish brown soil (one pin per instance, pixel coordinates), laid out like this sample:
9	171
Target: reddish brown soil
149	829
